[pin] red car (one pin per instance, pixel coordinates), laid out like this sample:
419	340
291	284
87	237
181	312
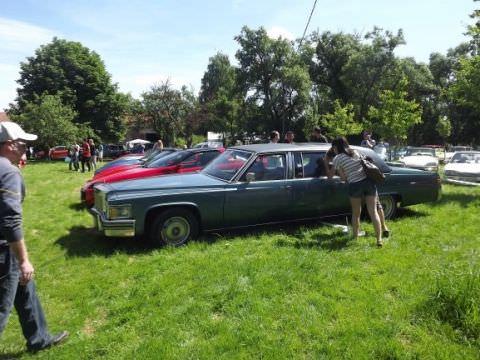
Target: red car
184	161
58	153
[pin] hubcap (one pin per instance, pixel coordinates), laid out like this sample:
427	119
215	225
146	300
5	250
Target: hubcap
388	205
175	230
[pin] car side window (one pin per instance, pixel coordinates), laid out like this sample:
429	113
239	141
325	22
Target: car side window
309	164
267	167
190	161
206	157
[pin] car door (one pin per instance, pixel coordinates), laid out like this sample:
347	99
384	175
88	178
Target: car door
264	198
313	193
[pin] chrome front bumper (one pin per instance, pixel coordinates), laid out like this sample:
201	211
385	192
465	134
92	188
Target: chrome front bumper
114	228
461	181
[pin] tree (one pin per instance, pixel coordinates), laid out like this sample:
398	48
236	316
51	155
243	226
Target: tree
463	91
394	115
50	120
353	71
341	122
220	98
167	110
273	78
220	76
78	77
444	127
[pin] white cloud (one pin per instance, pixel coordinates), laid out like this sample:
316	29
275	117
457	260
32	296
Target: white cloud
277	31
22	37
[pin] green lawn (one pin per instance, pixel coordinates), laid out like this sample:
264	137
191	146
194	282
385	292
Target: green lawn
297	291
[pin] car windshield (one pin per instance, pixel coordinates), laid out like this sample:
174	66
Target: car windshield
228	164
460	148
155	155
420	152
168	160
466	158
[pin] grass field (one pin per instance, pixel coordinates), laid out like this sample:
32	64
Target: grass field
302	291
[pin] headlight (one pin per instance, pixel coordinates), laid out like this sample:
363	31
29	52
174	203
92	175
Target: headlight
120	212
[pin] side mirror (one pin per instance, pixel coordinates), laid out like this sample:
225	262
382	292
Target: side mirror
249	177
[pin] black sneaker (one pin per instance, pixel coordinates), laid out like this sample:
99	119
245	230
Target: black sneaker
386	233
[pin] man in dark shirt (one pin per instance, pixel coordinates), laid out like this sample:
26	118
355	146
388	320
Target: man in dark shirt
317	135
289	136
17	287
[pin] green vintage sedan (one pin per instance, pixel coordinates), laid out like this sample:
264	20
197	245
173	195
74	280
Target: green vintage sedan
246	185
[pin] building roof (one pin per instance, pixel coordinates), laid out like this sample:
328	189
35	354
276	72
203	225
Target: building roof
3	116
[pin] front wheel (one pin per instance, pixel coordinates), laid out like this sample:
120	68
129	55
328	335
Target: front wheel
173	227
389	204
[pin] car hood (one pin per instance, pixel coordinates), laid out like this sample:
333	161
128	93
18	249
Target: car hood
463	168
155	184
419	160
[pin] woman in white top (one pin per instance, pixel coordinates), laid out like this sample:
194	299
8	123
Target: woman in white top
348	166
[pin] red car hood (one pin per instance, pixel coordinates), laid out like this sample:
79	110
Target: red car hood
138	172
115	169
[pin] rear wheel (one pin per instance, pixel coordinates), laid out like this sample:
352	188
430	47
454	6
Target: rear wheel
173	227
389	204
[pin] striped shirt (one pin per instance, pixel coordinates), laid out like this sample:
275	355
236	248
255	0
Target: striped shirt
351	166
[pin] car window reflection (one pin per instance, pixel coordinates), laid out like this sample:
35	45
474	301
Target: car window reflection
267	167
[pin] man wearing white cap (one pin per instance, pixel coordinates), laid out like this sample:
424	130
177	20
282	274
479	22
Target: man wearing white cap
17	287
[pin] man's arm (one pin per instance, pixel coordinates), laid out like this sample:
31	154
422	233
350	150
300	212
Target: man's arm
26	269
329	170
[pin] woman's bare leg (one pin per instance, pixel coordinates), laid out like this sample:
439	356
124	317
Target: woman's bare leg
356	212
372	211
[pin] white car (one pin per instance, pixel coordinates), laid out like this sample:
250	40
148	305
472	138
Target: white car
463	168
420	158
208	144
453	150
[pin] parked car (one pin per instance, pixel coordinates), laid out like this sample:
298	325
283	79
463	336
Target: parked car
134	159
382	151
58	152
112	151
246	185
463	168
452	150
420	158
208	144
184	161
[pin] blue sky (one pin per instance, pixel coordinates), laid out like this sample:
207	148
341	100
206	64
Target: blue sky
145	42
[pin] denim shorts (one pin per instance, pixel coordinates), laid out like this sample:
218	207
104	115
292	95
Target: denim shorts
362	188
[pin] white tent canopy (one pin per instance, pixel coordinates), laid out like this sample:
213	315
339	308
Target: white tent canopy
134	142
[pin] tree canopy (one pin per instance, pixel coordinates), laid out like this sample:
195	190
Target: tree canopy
76	76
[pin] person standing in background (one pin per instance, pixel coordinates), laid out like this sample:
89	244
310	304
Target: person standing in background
289	136
274	137
85	155
367	141
100	152
317	135
158	145
93	154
